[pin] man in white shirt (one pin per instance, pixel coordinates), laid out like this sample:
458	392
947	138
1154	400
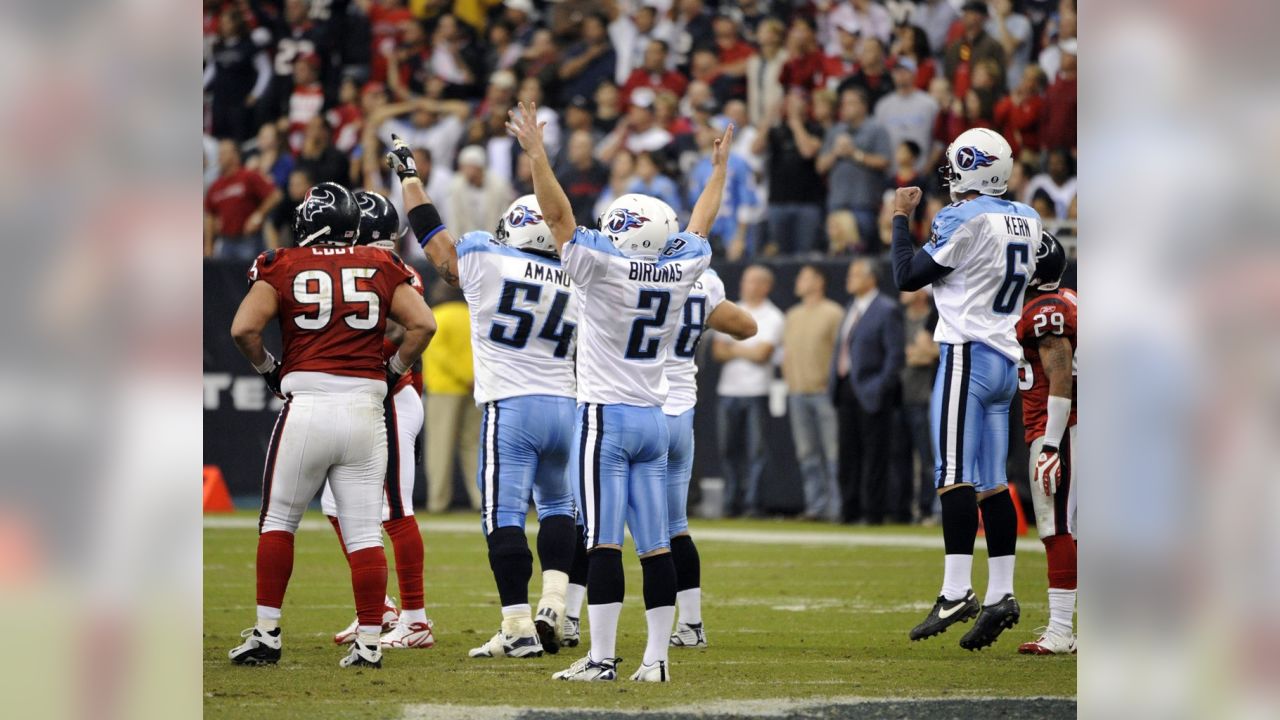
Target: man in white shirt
744	393
476	195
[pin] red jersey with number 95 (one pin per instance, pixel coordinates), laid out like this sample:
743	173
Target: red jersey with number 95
333	305
1050	314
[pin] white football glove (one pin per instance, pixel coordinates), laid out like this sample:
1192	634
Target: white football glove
1048	469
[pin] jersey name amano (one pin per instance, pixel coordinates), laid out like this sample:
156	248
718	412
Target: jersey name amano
1050	314
682	371
990	246
523	319
631	308
333	305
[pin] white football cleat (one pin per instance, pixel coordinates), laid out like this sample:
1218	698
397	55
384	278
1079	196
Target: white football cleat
362	655
570	632
524	643
587	670
656	672
689	635
1049	643
259	648
390	617
548	626
410	635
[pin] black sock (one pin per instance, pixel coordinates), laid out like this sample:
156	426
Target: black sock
555	543
578	570
605	581
512	564
688	565
659	581
1000	521
960	520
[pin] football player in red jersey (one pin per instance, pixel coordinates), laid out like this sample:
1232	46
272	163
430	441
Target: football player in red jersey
410	628
332	301
1047	332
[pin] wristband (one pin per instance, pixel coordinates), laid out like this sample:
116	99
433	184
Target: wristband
396	365
1059	414
425	221
266	365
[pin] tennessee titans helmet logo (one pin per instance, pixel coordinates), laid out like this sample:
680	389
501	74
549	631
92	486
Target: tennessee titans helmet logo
622	220
971	158
316	201
520	216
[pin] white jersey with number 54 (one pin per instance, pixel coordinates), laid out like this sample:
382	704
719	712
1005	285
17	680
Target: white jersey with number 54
990	246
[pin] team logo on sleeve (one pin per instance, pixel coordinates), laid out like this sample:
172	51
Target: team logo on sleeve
520	216
318	200
622	220
971	158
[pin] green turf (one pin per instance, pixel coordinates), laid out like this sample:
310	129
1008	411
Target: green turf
784	621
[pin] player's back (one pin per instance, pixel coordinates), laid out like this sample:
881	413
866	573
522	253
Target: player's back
1053	313
523	319
681	370
333	306
989	244
631	307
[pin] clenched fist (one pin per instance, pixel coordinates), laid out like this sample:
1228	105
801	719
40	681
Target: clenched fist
905	200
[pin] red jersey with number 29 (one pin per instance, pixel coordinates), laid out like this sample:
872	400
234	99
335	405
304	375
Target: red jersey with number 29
333	305
1050	314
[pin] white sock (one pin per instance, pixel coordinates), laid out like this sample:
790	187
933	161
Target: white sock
515	617
268	618
999	578
1062	606
661	620
554	587
369	635
690	604
604	630
409	617
956	576
573	597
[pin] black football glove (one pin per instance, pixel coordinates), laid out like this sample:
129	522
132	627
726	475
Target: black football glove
272	378
400	159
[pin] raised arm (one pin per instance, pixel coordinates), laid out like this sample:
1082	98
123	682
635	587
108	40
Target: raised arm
556	210
708	205
424	218
912	269
732	320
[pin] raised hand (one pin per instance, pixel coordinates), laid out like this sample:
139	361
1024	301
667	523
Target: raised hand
400	159
720	153
906	199
523	124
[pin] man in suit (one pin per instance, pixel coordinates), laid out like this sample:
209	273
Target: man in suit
866	388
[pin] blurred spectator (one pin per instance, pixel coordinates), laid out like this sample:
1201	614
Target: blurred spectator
531	92
906	158
692	27
455	59
237	76
855	155
1019	114
278	228
452	420
867	19
704	67
842	233
917	387
866	389
295	36
729	229
320	158
1050	59
270	157
808	342
638	133
795	189
407	58
949	123
490	132
1013	31
389	21
649	180
1018	180
476	196
499	94
583	177
654	73
844	61
608	101
621	173
935	17
764	68
972	47
346	118
907	113
1060	103
433	124
1058	182
307	99
731	50
750	15
824	109
744	393
588	62
872	75
577	116
1043	204
646	26
520	14
540	58
805	65
235	207
977	114
502	51
912	42
744	134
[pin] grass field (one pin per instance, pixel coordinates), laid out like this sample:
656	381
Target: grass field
793	611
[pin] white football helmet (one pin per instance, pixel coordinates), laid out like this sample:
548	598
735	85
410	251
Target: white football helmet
523	228
981	160
639	225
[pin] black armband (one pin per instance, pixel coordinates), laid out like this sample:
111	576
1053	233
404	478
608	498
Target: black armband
425	221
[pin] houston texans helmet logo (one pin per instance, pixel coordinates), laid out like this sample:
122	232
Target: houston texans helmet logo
367	204
971	158
622	220
316	201
520	216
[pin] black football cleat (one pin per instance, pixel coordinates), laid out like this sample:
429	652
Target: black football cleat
993	620
946	613
258	648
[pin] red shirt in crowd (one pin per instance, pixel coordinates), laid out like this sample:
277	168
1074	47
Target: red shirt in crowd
739	51
384	30
1059	130
640	78
1019	122
925	72
806	71
233	198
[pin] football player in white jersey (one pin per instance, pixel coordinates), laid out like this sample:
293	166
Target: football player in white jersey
978	261
632	278
523	318
706	307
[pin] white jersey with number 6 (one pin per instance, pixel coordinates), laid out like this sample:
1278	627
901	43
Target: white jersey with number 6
631	308
682	371
989	245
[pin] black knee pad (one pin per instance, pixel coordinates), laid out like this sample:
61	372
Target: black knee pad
555	543
1000	520
688	565
659	581
512	564
578	570
959	520
605	581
